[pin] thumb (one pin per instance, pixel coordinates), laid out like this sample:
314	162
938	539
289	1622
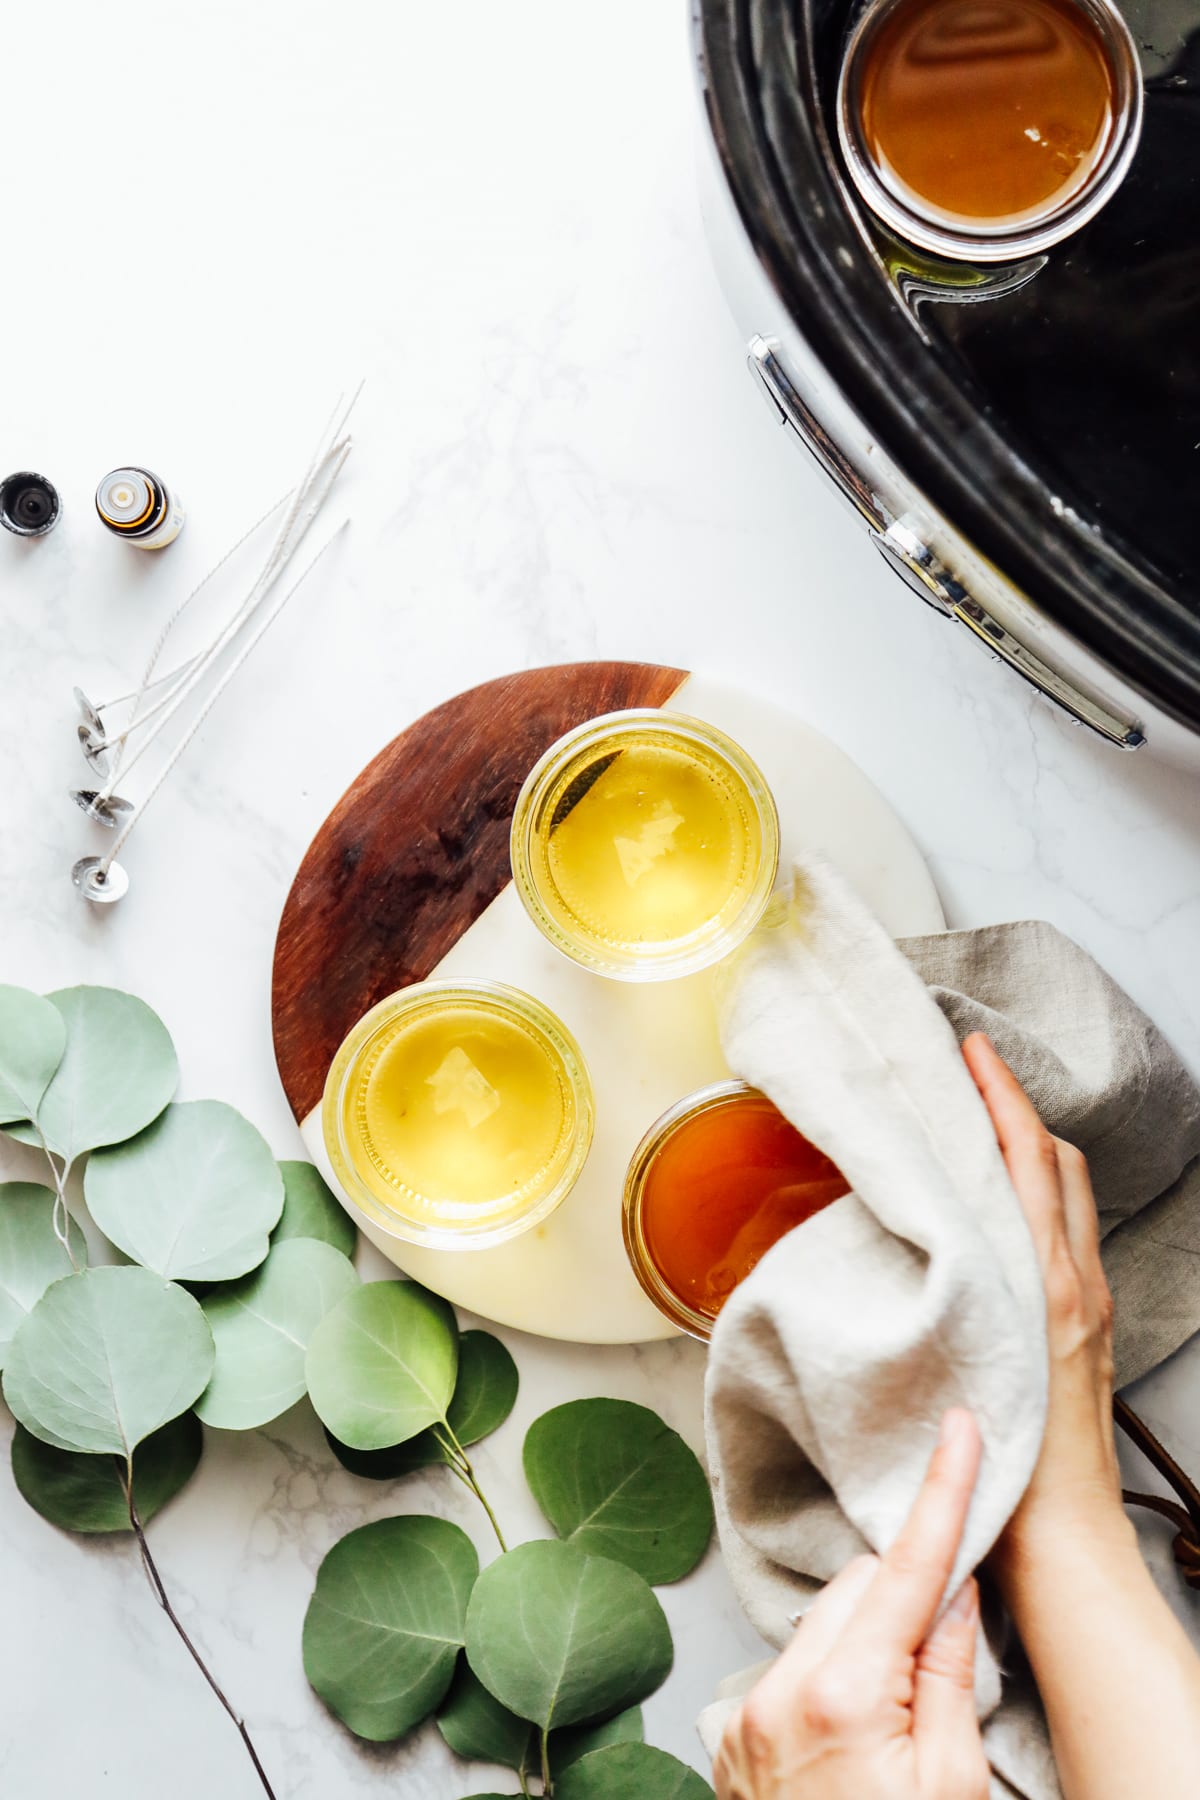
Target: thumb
946	1740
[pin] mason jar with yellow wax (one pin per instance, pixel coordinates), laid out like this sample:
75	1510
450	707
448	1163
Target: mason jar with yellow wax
458	1114
645	845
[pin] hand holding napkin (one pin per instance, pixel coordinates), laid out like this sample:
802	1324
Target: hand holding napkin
832	1365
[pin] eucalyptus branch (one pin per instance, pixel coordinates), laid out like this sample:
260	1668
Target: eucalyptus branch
160	1594
461	1466
547	1782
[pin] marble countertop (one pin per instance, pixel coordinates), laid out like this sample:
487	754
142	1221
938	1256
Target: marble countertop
491	214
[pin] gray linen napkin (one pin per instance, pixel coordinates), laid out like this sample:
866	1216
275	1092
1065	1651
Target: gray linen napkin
832	1365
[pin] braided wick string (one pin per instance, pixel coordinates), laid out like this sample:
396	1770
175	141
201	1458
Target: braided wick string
150	687
193	671
137	718
316	462
287	541
147	685
157	650
258	594
174	699
123	836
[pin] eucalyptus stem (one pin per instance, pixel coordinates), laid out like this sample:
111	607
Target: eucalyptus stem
454	1450
60	1218
524	1781
547	1783
160	1594
461	1466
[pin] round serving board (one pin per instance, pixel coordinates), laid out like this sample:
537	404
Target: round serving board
409	878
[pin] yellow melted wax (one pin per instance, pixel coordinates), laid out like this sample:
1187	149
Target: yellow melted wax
459	1115
659	846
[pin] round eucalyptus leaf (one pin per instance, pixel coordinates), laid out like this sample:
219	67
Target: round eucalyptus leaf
486	1390
616	1481
484	1395
566	1747
310	1210
23	1132
105	1358
31	1255
395	1462
261	1326
87	1493
626	1769
382	1365
193	1197
117	1073
33	1036
386	1622
479	1729
561	1638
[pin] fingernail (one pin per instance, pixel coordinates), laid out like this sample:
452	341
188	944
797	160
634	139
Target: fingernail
951	1428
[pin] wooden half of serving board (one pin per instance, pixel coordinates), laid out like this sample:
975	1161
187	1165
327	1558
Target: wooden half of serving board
409	879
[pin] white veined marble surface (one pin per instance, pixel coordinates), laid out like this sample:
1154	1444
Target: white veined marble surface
214	217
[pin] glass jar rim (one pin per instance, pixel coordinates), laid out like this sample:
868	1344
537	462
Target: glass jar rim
493	995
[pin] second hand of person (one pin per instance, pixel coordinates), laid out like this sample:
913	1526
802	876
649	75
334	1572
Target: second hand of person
1119	1680
874	1697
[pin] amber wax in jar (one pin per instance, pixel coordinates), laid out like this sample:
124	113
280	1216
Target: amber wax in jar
645	844
970	120
714	1184
458	1114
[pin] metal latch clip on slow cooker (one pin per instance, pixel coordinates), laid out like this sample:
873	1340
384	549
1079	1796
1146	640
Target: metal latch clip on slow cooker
901	544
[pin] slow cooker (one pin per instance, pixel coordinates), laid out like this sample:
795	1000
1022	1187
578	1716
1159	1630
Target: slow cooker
1021	441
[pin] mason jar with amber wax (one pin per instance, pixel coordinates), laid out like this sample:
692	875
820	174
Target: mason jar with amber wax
458	1114
988	133
713	1185
645	845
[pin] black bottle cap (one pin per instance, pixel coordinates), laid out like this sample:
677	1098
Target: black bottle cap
29	504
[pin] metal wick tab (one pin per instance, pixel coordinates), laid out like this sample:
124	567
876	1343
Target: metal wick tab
94	749
90	714
101	809
101	886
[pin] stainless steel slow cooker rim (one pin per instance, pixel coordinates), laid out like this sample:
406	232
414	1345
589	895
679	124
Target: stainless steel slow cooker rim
987	243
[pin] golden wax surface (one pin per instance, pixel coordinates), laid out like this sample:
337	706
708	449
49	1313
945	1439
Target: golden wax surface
458	1114
987	110
658	845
